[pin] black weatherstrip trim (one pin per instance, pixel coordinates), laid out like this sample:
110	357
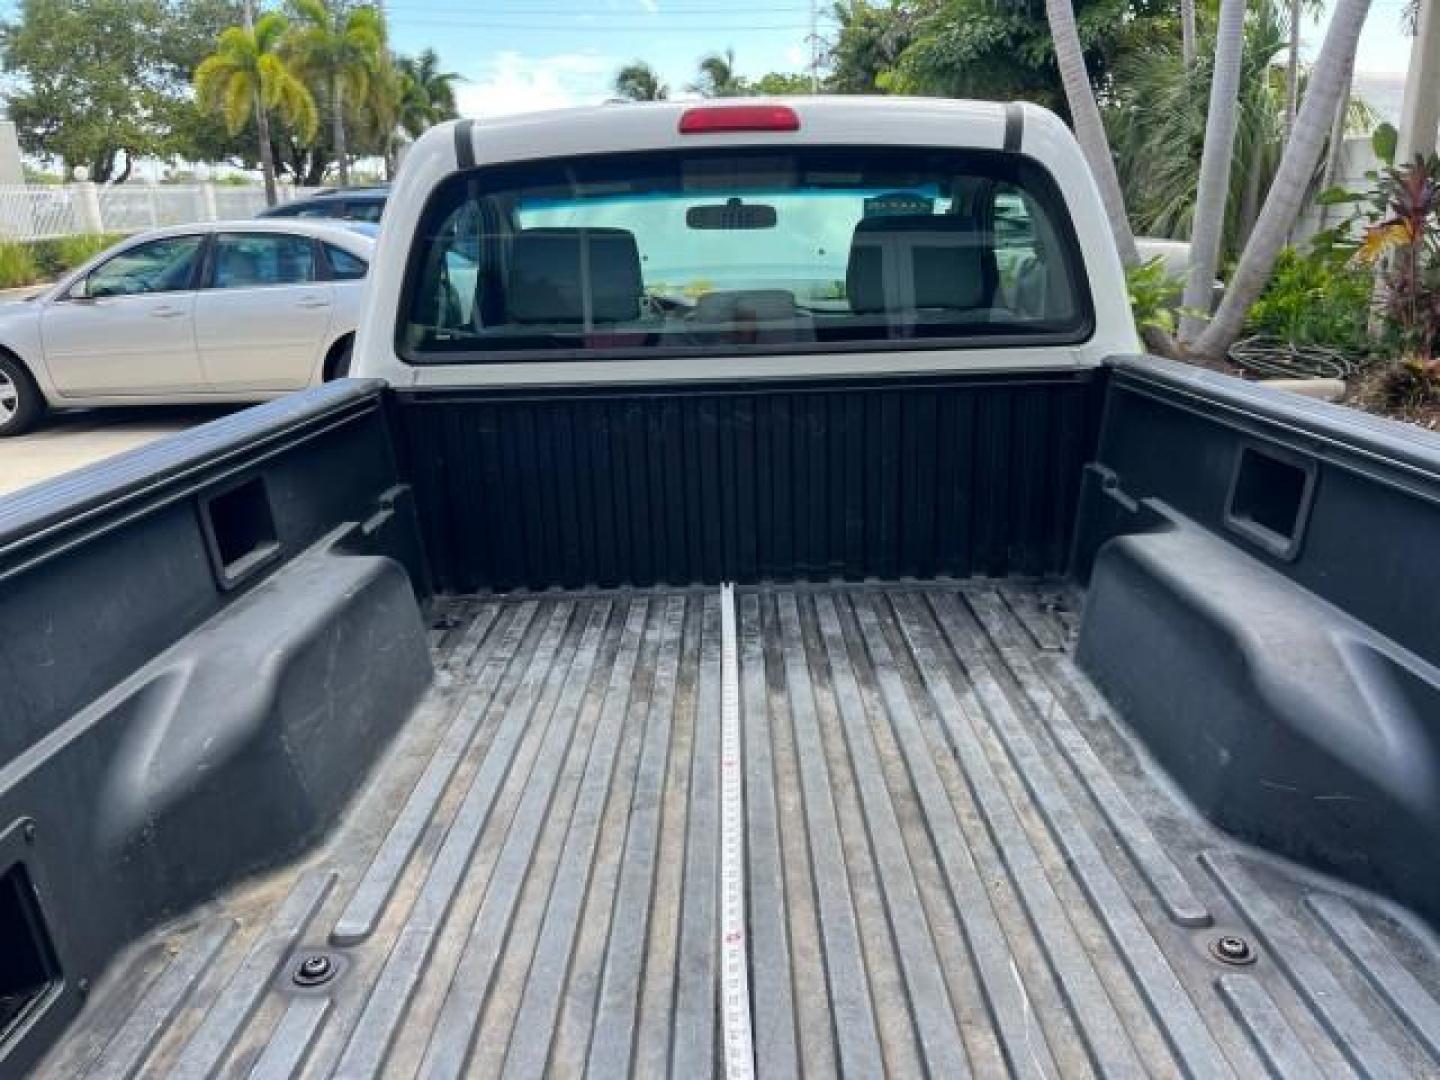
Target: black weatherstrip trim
81	494
464	144
1014	127
1384	444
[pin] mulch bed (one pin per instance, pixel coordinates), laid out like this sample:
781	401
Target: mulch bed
1364	392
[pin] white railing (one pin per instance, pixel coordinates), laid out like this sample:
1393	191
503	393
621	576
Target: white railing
44	211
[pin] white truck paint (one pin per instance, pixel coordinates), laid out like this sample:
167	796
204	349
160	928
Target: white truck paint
854	121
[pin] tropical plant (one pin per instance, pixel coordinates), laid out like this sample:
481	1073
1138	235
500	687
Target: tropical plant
717	77
1292	179
779	84
1153	295
1401	239
1215	159
639	81
372	123
872	38
1318	297
1005	50
245	77
426	94
1156	122
340	51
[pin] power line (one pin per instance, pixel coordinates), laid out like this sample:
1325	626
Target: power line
651	17
726	27
709	8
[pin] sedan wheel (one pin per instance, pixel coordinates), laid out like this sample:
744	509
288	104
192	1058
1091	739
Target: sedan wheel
20	401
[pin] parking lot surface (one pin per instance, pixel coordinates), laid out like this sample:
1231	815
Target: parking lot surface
70	440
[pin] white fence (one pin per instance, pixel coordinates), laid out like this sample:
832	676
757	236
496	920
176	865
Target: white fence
42	211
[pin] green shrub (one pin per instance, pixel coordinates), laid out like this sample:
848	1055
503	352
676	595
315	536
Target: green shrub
17	265
1315	298
1154	295
58	256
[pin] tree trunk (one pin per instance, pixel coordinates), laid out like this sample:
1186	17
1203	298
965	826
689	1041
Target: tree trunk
1292	69
1215	162
1089	131
1249	200
1336	151
337	102
102	167
1292	179
316	161
267	152
1187	32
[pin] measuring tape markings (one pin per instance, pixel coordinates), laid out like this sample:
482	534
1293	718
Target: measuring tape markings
734	961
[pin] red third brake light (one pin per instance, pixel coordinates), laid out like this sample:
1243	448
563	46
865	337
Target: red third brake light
713	118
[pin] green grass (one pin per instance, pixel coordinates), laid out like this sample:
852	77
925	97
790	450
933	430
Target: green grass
17	265
26	262
55	257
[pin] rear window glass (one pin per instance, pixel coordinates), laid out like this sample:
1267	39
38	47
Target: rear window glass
764	250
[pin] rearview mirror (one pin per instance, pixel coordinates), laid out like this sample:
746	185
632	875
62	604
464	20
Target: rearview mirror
732	214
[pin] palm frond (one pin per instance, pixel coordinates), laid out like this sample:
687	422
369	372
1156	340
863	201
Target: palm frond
210	79
270	30
239	101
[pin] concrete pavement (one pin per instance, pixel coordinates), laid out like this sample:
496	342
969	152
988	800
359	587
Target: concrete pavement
66	441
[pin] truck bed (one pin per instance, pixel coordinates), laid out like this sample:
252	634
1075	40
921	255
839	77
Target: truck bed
955	857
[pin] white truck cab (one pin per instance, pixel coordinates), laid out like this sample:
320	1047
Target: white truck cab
749	238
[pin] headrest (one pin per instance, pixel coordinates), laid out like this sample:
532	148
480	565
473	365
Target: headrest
906	262
551	270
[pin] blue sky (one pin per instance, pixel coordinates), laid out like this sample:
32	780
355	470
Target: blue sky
524	54
519	55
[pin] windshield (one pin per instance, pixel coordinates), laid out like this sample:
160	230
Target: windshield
707	251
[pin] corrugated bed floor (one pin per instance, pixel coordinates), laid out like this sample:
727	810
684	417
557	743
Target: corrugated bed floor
956	864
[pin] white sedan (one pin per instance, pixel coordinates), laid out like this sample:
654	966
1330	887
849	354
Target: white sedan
218	311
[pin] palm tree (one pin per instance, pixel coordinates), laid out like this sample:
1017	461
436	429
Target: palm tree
1292	66
717	76
1188	51
640	82
1336	149
342	51
1215	159
426	94
245	77
1089	131
1302	154
1157	126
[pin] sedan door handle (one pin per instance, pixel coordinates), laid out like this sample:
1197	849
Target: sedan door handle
313	302
167	313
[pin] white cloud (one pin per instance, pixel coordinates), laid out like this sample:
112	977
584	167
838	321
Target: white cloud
514	83
797	56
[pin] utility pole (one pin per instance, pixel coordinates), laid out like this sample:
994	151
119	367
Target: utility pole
1420	112
249	12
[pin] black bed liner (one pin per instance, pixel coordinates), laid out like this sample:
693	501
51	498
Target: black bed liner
956	861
